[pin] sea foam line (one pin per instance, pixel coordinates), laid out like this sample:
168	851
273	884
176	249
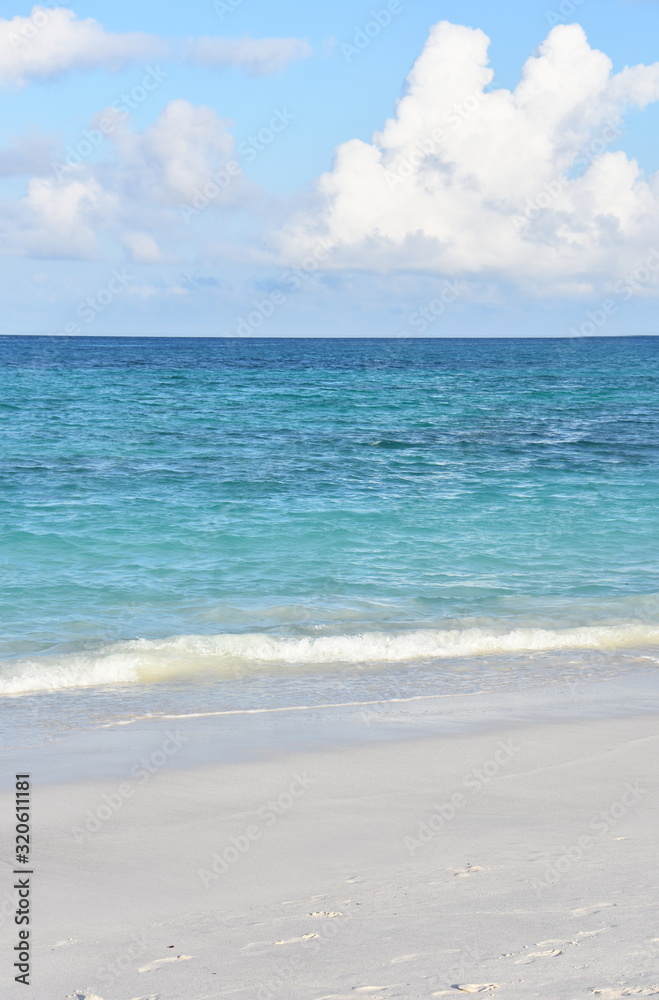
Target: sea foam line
231	656
290	708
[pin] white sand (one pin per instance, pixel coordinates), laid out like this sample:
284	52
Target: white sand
539	880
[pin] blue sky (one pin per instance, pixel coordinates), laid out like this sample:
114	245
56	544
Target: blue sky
101	244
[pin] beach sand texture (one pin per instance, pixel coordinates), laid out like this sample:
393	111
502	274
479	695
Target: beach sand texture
516	861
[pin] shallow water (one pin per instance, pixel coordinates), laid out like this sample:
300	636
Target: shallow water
250	521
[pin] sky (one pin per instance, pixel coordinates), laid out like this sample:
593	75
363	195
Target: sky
409	168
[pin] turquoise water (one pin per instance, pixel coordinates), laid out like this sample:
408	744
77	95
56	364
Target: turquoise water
224	522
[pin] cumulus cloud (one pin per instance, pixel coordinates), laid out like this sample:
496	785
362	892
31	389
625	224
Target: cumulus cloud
149	183
61	220
258	57
176	156
52	40
519	185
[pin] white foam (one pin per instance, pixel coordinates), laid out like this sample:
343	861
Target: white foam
232	655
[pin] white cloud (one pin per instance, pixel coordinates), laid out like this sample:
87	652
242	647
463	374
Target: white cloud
52	40
258	56
62	220
516	185
174	158
142	248
145	187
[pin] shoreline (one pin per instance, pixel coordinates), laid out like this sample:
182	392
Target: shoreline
107	748
476	849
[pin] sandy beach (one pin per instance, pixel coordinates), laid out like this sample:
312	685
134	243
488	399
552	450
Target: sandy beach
503	853
329	482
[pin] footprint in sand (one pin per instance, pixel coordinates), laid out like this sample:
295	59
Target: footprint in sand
628	991
469	870
477	987
256	946
263	947
164	961
588	911
296	940
534	955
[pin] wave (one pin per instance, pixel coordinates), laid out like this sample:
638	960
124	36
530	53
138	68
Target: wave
231	656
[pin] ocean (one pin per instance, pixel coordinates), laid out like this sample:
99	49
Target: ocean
208	525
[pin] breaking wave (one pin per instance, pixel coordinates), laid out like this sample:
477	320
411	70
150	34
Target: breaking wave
231	656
